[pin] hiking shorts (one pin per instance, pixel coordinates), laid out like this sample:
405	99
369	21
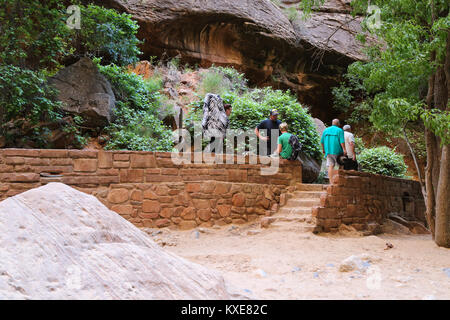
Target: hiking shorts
332	160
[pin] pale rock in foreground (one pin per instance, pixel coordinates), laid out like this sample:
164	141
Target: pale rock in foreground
59	243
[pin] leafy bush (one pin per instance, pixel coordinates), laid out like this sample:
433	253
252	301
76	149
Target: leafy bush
34	42
382	160
25	100
254	106
220	80
107	33
33	33
136	125
138	130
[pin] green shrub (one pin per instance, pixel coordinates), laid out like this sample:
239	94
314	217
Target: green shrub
34	42
136	125
236	80
132	89
250	108
25	100
212	82
33	33
138	130
382	160
107	33
220	80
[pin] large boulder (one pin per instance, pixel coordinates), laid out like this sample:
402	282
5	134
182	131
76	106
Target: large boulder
60	243
257	38
84	91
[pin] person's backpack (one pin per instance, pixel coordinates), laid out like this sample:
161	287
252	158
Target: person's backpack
296	146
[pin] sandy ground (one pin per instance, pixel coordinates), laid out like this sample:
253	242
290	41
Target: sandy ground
287	264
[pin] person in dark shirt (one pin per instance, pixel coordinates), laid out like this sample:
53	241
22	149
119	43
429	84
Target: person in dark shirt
269	124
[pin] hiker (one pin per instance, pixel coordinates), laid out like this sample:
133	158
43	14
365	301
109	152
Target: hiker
351	163
333	145
215	120
269	124
228	108
284	149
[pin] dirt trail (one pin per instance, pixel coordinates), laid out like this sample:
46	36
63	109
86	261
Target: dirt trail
288	264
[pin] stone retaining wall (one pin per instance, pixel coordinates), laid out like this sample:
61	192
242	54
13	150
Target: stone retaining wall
149	190
364	200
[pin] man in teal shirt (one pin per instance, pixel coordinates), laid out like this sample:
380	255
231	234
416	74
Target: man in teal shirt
284	148
333	145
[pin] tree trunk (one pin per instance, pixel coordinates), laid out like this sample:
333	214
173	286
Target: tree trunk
430	147
438	159
442	236
442	228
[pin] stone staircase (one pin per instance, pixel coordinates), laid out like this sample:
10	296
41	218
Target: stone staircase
295	214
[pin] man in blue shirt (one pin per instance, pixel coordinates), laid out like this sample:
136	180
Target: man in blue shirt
333	145
269	124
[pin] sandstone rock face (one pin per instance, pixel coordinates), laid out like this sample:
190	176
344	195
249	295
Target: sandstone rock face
59	243
86	92
257	38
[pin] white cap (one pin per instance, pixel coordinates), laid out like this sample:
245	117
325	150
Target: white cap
346	127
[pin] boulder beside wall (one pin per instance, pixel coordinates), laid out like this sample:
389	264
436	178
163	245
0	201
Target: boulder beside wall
60	243
84	91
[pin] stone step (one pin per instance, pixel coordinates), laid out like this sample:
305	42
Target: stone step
290	218
297	227
307	194
295	210
306	202
310	187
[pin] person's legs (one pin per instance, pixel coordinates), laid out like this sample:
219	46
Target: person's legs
330	173
331	162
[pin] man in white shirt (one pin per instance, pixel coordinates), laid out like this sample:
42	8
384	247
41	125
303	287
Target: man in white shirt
349	138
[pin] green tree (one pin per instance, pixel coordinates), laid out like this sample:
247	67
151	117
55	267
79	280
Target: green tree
33	33
408	76
35	41
106	33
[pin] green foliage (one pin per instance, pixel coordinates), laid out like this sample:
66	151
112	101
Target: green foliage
253	106
342	98
219	80
107	33
212	82
25	98
359	145
132	89
396	75
307	6
34	41
382	160
33	33
138	130
136	125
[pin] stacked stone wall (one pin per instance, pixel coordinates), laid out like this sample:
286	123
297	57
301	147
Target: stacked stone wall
149	189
